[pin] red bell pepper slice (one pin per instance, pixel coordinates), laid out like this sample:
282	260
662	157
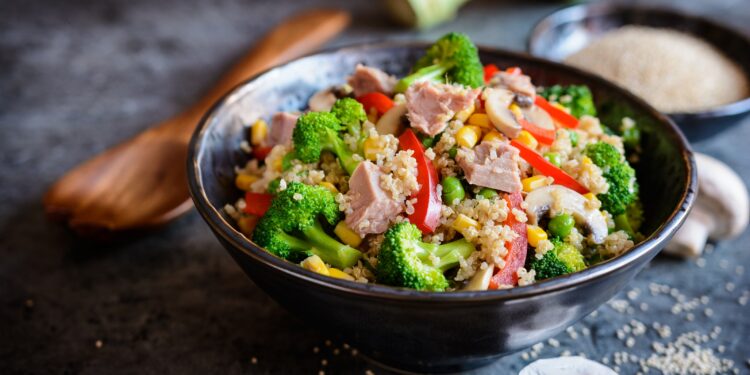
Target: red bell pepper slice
543	135
517	248
548	169
489	71
381	102
561	117
257	203
427	208
260	153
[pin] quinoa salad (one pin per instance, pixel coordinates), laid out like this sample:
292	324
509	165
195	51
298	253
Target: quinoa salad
459	176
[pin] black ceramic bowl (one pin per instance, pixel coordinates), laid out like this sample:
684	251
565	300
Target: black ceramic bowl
423	331
569	29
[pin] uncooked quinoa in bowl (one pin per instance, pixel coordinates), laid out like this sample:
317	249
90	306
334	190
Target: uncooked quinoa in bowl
457	176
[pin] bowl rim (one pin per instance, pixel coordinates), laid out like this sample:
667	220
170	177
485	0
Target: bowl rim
579	12
238	241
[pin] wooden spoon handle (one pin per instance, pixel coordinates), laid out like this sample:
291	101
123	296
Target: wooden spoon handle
298	35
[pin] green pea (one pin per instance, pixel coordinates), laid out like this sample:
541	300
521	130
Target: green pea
573	138
452	190
426	140
561	225
488	193
452	152
554	158
273	186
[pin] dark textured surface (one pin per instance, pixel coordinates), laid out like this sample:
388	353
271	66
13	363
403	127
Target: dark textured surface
77	77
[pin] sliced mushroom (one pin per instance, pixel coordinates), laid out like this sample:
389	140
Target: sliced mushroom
539	202
322	101
481	279
496	102
566	366
720	211
392	121
538	117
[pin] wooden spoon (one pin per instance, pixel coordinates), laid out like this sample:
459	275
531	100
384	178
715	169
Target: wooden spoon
142	183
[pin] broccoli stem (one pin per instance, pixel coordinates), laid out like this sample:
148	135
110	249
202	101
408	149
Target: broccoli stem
346	157
433	73
295	244
449	253
329	249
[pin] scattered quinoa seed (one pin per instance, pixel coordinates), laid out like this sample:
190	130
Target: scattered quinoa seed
98	344
254	360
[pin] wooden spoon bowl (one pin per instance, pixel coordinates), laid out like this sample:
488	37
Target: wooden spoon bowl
142	182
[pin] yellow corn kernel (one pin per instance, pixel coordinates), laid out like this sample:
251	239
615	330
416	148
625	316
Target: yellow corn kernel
516	110
527	139
258	133
586	161
535	234
247	224
493	135
465	114
481	120
347	235
329	186
243	181
277	164
463	223
371	149
589	196
468	136
315	264
534	182
339	274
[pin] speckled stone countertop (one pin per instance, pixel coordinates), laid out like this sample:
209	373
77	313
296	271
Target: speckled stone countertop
76	77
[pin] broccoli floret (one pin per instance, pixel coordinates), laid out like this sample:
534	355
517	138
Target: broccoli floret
603	154
631	220
623	189
352	115
634	213
564	258
577	99
292	226
350	112
453	58
316	132
404	260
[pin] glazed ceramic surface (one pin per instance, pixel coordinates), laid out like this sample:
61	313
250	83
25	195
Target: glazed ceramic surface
570	29
422	331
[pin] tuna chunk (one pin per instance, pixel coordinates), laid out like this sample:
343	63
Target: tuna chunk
366	80
431	105
372	208
282	125
491	164
518	83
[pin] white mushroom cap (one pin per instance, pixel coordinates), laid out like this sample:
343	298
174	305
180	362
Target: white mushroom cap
566	366
720	211
560	199
496	103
